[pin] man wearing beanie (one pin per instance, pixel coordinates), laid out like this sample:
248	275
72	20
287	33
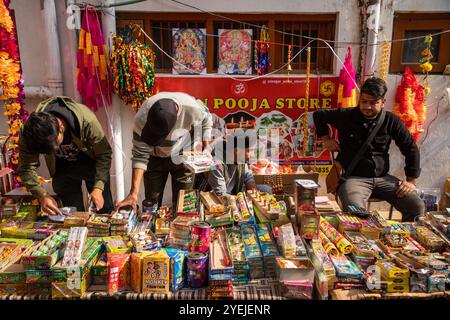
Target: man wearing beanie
166	124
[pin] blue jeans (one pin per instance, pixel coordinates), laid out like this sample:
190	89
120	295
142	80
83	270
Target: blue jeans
357	190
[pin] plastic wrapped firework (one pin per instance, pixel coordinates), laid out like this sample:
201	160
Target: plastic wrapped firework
329	247
236	213
242	205
335	237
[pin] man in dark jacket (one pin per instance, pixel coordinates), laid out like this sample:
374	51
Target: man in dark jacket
370	176
75	149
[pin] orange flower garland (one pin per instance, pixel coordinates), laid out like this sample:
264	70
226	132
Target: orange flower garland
410	104
11	82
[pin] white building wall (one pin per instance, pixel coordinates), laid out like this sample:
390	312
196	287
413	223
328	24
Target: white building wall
435	152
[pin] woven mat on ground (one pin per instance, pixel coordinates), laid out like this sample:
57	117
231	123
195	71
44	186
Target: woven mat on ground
262	289
341	294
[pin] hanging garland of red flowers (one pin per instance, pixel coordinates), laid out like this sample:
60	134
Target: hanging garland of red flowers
410	103
11	81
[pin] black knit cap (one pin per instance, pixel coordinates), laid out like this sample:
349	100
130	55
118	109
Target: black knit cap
161	119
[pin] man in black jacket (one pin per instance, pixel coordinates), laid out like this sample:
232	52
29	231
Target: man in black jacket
370	176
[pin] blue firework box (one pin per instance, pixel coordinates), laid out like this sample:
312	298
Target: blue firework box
177	268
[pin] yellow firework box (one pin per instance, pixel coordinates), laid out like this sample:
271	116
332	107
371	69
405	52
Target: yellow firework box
156	273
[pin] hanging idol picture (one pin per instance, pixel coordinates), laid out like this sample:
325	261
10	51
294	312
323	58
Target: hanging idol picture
189	51
235	51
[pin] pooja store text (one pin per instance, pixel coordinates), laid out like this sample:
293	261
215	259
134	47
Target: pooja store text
227	309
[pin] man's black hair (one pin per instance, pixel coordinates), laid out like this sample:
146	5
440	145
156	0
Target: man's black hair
40	132
375	87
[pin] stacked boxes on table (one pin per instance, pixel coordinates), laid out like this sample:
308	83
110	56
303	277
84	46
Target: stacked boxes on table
237	251
12	274
220	268
296	276
322	263
123	222
72	281
268	249
253	252
28	230
180	232
348	275
362	252
39	263
99	225
396	276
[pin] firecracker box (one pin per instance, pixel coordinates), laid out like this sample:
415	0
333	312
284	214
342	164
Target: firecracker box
72	282
15	274
19	289
392	270
136	270
119	272
156	272
177	268
393	287
294	270
370	230
288	180
309	225
39	289
305	195
43	262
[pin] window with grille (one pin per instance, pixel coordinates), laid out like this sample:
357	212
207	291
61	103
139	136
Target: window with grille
413	25
282	29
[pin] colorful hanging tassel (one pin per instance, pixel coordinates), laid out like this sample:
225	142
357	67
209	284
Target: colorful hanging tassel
132	66
262	57
11	82
305	123
347	87
410	104
93	80
425	65
384	64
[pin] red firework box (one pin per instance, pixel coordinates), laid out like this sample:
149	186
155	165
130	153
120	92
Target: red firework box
118	272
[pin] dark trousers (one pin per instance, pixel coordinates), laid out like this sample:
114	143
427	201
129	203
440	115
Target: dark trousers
357	190
67	185
155	179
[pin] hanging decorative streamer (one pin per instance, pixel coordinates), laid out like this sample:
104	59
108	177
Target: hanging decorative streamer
93	80
347	87
262	57
11	81
425	65
305	114
132	67
384	64
410	103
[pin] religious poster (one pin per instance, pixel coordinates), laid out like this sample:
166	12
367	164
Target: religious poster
235	51
189	50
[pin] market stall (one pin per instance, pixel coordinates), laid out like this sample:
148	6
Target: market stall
254	246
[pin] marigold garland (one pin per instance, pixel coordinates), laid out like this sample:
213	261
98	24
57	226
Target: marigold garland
132	67
410	104
11	81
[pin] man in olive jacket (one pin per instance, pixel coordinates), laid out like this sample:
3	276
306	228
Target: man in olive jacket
75	149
